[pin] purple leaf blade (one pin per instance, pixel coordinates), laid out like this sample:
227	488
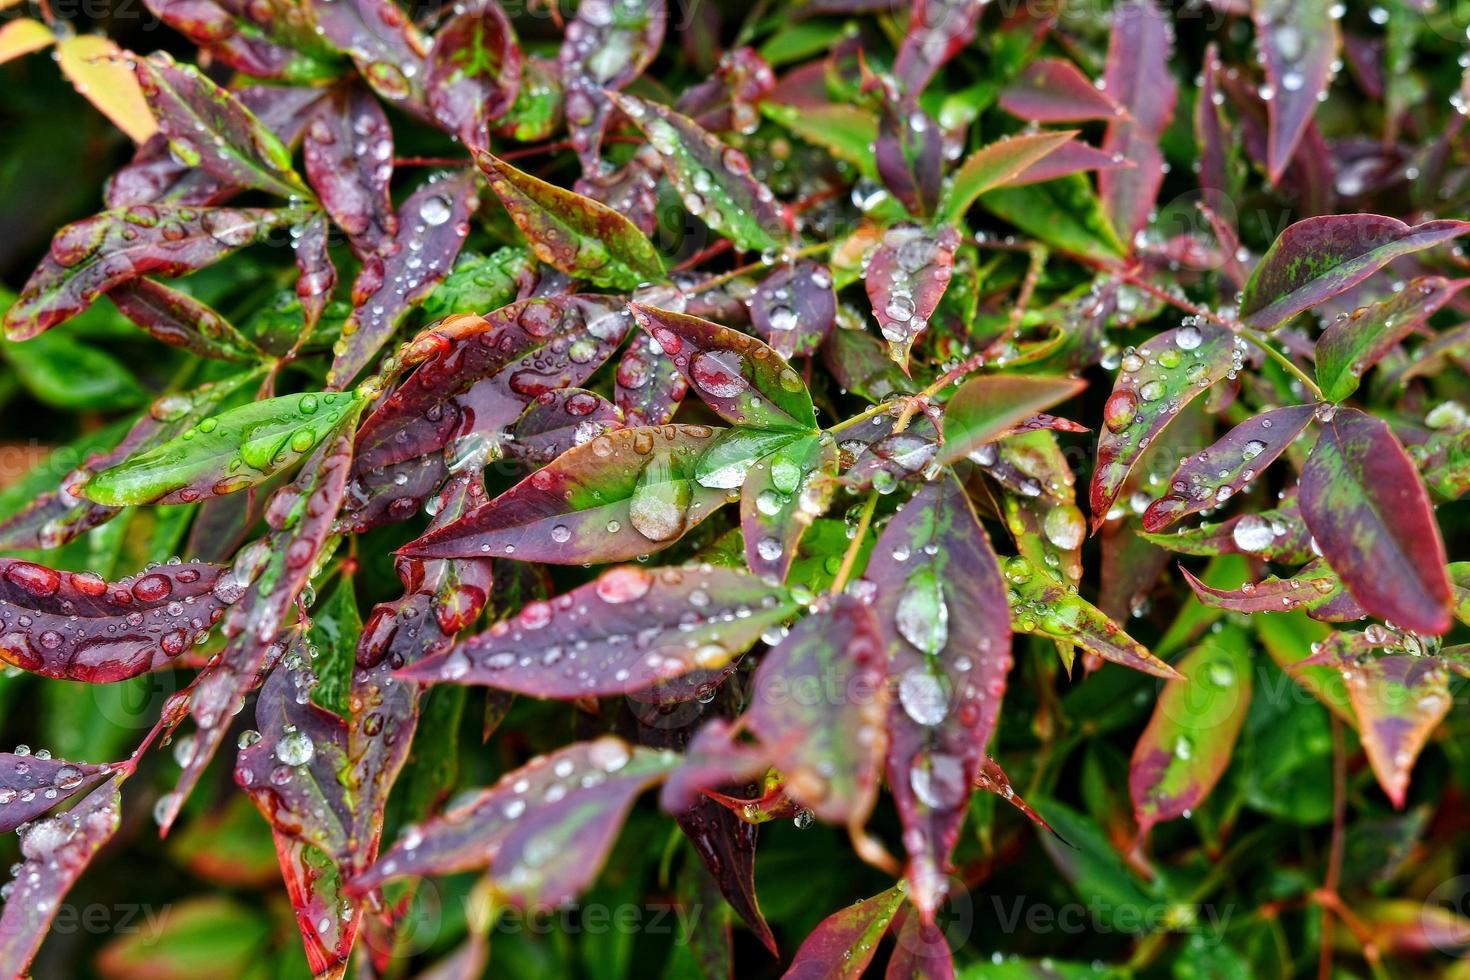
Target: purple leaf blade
630	492
560	420
474	72
544	830
573	233
1215	474
1183	752
607	45
91	256
1369	513
30	785
844	944
1299	43
1278	534
180	320
75	626
937	31
649	388
1315	589
54	854
684	617
905	279
742	379
829	752
383	42
1155	382
432	226
942	610
349	160
794	308
1051	90
1319	258
1137	77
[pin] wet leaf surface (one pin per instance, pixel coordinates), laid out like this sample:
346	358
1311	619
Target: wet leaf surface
905	279
349	160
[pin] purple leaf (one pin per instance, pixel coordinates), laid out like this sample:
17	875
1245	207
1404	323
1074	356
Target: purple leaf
607	45
54	853
1319	258
780	498
349	161
560	420
1214	475
920	952
1314	589
474	72
795	308
209	127
1299	43
581	644
937	31
544	830
432	225
317	276
180	320
1368	511
1051	90
1070	158
1154	384
1355	342
742	379
30	785
631	190
905	279
844	944
627	493
1275	535
941	606
1138	79
726	845
91	256
827	745
909	154
649	386
386	46
75	626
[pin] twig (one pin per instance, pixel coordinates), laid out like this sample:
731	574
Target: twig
850	558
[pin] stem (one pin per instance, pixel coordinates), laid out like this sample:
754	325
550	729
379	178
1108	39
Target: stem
739	271
1281	359
850	558
1327	895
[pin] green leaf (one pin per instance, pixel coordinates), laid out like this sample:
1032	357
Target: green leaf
226	453
845	131
213	936
993	166
1087	859
63	372
335	628
575	234
988	406
713	179
1354	343
1064	214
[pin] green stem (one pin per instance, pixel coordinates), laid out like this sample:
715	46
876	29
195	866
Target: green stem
850	558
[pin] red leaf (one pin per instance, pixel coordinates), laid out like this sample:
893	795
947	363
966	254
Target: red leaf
579	644
607	46
32	784
75	626
317	276
1367	509
794	308
1299	43
1138	79
942	609
920	952
383	42
1315	589
905	279
726	845
1051	90
649	386
349	161
937	31
560	420
843	945
180	320
474	72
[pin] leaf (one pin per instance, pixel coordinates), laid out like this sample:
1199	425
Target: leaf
726	846
98	70
1065	161
91	256
941	610
59	370
559	420
32	784
22	36
713	179
336	628
582	644
859	364
1216	474
742	379
990	406
1064	213
270	39
215	935
537	110
1051	90
1351	345
1156	381
817	710
649	387
474	72
1367	510
54	853
1041	605
847	132
1096	871
433	223
1319	258
1137	77
909	152
1278	534
1191	735
544	830
180	320
573	233
1299	43
1315	589
843	945
1399	701
996	165
920	952
383	42
780	499
905	279
794	308
605	48
481	282
76	626
226	453
210	128
316	275
937	31
624	494
348	150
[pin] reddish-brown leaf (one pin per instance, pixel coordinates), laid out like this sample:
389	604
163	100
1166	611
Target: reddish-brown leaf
349	160
905	279
1051	90
32	784
1139	80
474	72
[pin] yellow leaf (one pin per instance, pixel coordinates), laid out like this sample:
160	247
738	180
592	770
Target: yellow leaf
96	67
21	37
